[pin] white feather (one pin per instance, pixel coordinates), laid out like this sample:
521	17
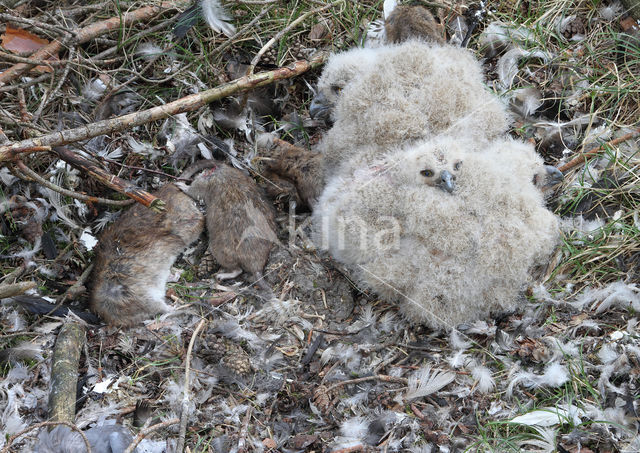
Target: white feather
388	7
217	17
484	378
355	428
425	382
507	66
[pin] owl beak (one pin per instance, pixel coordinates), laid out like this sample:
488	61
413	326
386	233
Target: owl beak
554	176
446	181
319	108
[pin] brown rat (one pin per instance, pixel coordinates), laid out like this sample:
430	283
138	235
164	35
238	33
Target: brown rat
412	21
297	170
240	222
134	257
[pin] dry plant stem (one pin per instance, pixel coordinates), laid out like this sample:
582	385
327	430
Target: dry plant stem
229	42
186	104
583	157
16	289
377	377
12	439
145	432
184	416
242	441
51	93
42	78
17	59
279	35
64	372
122	186
69	193
85	34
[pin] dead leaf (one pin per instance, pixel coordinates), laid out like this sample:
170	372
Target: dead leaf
25	43
21	41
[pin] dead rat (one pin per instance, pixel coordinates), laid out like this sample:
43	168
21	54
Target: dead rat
134	257
240	222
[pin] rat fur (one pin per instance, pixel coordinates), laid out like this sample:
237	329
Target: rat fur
240	222
135	254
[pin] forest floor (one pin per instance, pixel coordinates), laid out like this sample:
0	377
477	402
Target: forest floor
325	366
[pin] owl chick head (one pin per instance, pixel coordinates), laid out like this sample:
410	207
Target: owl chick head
339	71
432	164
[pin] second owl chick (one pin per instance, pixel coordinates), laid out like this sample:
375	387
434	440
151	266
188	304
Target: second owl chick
240	222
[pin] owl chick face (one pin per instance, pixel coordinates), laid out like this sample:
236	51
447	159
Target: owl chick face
432	167
340	70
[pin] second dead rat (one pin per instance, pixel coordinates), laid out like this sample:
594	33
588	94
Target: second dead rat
240	222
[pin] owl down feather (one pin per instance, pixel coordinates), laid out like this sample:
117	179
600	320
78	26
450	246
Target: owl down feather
441	226
399	94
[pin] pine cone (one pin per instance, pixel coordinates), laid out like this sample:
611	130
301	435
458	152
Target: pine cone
207	265
225	352
238	362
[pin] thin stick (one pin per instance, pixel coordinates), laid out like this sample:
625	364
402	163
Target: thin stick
122	186
185	397
85	34
279	35
69	193
186	104
583	157
143	433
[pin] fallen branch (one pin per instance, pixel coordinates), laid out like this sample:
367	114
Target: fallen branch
16	289
83	35
186	104
583	157
26	171
64	372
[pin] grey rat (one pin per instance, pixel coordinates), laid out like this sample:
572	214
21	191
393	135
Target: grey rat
240	222
134	257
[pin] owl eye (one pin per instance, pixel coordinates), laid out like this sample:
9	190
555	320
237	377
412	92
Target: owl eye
427	173
336	89
457	165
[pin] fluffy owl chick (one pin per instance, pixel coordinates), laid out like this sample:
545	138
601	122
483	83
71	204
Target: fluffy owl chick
135	254
445	257
414	91
339	71
240	223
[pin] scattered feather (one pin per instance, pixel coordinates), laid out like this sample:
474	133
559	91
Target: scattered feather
611	11
88	239
484	378
425	382
550	416
355	428
94	89
507	66
217	17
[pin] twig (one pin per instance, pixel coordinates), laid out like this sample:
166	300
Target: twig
43	424
245	429
583	157
143	433
184	416
48	96
69	193
279	35
186	104
377	377
85	34
18	59
122	186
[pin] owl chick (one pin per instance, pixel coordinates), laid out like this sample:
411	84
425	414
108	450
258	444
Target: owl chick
445	256
412	91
